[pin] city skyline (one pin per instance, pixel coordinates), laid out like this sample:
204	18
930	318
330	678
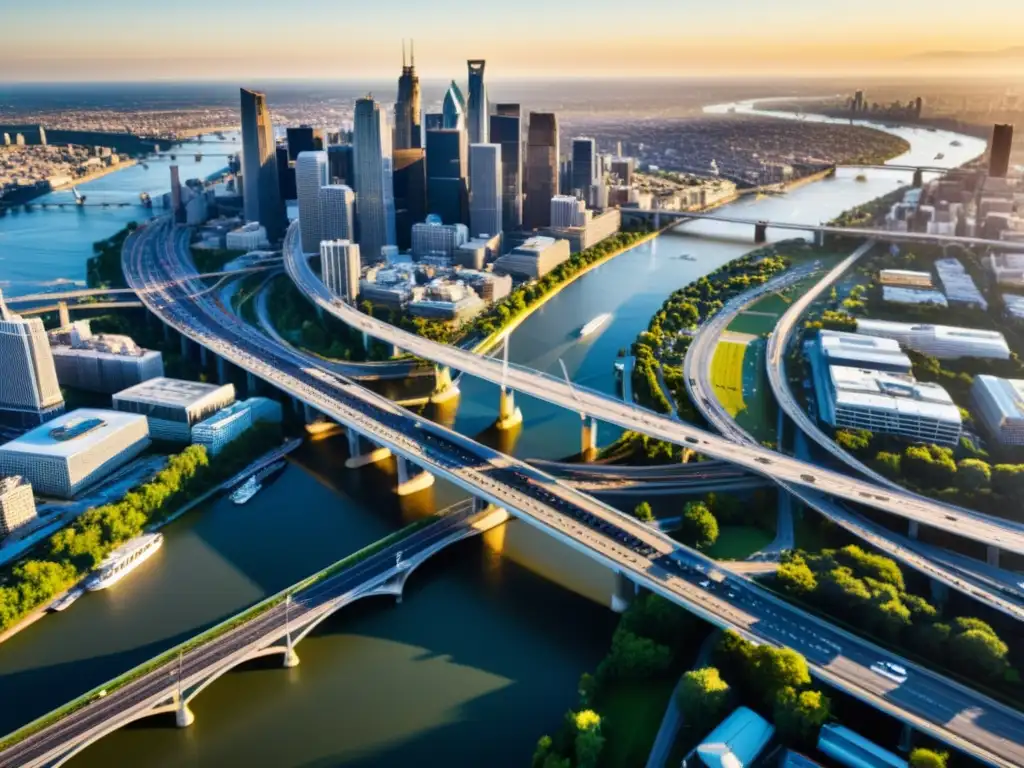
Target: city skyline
88	43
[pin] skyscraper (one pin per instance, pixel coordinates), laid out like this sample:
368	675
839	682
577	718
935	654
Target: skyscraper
340	268
541	169
506	130
337	213
177	209
478	109
341	164
584	167
310	175
375	194
29	392
433	121
407	107
304	138
485	189
454	107
447	175
999	150
261	194
285	173
410	193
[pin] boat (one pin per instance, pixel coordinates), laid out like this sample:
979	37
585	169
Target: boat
955	143
69	597
686	257
595	324
861	177
252	486
124	560
939	156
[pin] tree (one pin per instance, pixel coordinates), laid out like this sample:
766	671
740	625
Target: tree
586	688
796	577
799	715
778	668
973	475
703	698
699	528
658	618
1008	479
633	657
927	758
541	752
589	741
974	646
853	440
888	464
643	512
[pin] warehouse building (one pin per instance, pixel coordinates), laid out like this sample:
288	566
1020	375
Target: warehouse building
736	741
855	398
958	285
857	351
174	406
895	294
999	406
941	341
73	451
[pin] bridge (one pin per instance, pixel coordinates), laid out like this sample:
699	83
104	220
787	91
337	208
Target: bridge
697	477
274	627
593	405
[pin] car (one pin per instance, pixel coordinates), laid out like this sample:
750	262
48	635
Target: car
807	478
891	670
706	584
763	460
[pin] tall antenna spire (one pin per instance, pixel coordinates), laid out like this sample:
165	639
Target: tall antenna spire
403	53
412	54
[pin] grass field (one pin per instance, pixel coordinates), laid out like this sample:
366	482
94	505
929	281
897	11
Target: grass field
739	382
632	714
738	542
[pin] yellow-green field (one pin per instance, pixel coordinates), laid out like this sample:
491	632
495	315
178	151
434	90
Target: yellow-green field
740	384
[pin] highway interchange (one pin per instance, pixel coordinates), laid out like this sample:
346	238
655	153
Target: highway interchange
990	531
157	256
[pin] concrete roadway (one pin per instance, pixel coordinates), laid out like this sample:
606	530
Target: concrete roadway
949	711
599	405
159	685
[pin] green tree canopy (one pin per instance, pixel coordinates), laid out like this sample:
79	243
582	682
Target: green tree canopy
799	715
927	758
703	698
699	528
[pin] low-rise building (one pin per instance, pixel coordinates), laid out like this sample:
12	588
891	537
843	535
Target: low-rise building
17	505
73	451
446	300
856	398
487	285
850	749
857	351
1013	307
958	286
534	258
736	741
899	295
905	277
433	239
1007	268
593	230
248	237
103	362
174	406
941	341
228	424
999	407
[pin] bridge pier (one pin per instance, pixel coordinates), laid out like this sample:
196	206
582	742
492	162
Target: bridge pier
819	239
250	384
992	555
362	452
918	178
940	593
657	222
64	317
588	438
222	370
410	480
203	355
625	591
184	346
760	233
444	388
509	415
906	739
183	716
913	529
167	332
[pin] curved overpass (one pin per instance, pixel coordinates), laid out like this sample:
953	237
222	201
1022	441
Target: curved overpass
997	589
601	406
927	701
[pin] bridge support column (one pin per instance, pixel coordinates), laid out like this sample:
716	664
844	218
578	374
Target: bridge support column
913	529
167	332
760	233
940	593
625	591
367	341
657	222
308	414
819	239
183	716
992	556
250	384
588	438
411	479
222	370
64	317
444	388
203	355
362	452
906	739
509	415
918	178
184	346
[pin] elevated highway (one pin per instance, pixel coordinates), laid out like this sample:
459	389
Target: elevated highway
598	405
943	708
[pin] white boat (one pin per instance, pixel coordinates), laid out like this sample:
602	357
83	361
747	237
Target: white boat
124	560
246	490
594	324
63	602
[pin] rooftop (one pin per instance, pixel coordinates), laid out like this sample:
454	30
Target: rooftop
858	387
912	296
865	349
72	433
1008	394
164	391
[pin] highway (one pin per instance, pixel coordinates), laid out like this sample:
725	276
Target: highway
696	477
160	685
754	458
998	590
927	701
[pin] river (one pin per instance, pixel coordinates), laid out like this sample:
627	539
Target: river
484	653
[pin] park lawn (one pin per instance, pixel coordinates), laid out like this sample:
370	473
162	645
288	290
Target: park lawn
632	713
738	542
727	375
740	384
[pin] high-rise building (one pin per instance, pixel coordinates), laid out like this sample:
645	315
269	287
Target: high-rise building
999	150
433	121
858	101
285	173
485	209
261	193
410	193
407	106
337	213
310	175
506	131
624	168
341	164
177	209
478	109
42	136
29	390
584	167
541	169
568	211
340	268
454	107
447	175
375	198
304	138
434	239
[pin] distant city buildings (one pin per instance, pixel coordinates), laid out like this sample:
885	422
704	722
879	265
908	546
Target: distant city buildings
102	362
304	138
261	193
29	390
541	169
568	211
173	406
477	117
410	182
958	286
1000	148
448	175
584	173
485	206
407	105
340	268
444	299
453	109
506	131
17	504
341	164
311	173
375	199
75	450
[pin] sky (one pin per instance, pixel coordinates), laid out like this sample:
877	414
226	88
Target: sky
118	40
